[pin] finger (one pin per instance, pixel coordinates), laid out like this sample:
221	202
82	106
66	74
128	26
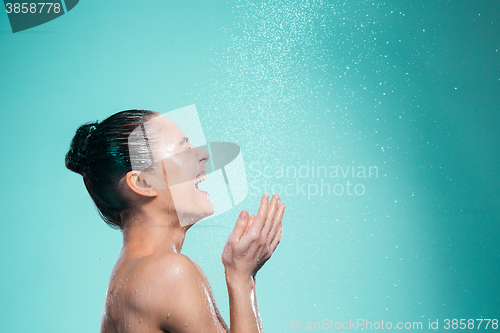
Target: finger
271	212
277	223
240	227
275	242
261	215
251	221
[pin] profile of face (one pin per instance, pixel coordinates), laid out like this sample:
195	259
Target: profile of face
176	167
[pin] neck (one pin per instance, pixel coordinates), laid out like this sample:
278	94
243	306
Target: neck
148	232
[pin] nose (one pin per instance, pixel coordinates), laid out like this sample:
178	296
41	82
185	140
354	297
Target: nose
202	155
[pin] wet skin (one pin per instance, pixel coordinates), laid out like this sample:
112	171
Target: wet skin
155	288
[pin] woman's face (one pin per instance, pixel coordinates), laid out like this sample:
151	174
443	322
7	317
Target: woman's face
179	168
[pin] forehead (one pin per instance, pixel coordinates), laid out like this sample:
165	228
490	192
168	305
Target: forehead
164	130
153	141
164	137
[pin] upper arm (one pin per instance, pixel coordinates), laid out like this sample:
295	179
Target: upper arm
180	299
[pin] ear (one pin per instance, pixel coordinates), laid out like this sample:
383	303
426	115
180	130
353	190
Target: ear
138	182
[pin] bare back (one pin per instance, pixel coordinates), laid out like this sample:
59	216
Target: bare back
157	294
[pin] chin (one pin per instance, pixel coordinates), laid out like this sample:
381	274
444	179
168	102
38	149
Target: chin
207	211
210	211
191	217
197	207
203	202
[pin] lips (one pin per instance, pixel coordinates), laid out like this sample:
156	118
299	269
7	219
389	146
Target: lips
200	177
202	172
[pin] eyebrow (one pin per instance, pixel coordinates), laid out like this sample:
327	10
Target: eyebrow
184	140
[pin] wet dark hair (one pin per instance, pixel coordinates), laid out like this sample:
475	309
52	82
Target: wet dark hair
100	153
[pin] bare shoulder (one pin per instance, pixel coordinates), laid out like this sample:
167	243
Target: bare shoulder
161	274
179	297
161	292
171	264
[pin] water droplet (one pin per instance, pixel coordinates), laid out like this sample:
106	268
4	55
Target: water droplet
136	290
168	315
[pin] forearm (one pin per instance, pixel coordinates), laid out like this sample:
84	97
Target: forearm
254	294
243	310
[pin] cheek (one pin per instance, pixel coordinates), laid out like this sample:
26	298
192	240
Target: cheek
181	168
175	173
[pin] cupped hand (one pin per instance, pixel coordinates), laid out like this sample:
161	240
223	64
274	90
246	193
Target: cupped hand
253	239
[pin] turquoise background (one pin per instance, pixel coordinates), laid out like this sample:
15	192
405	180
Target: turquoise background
410	87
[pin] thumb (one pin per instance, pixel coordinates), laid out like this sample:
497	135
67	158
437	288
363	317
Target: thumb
240	226
251	220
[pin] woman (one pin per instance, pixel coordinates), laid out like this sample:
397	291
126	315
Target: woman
142	173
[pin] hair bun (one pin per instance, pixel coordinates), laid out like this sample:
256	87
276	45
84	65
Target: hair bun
77	157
